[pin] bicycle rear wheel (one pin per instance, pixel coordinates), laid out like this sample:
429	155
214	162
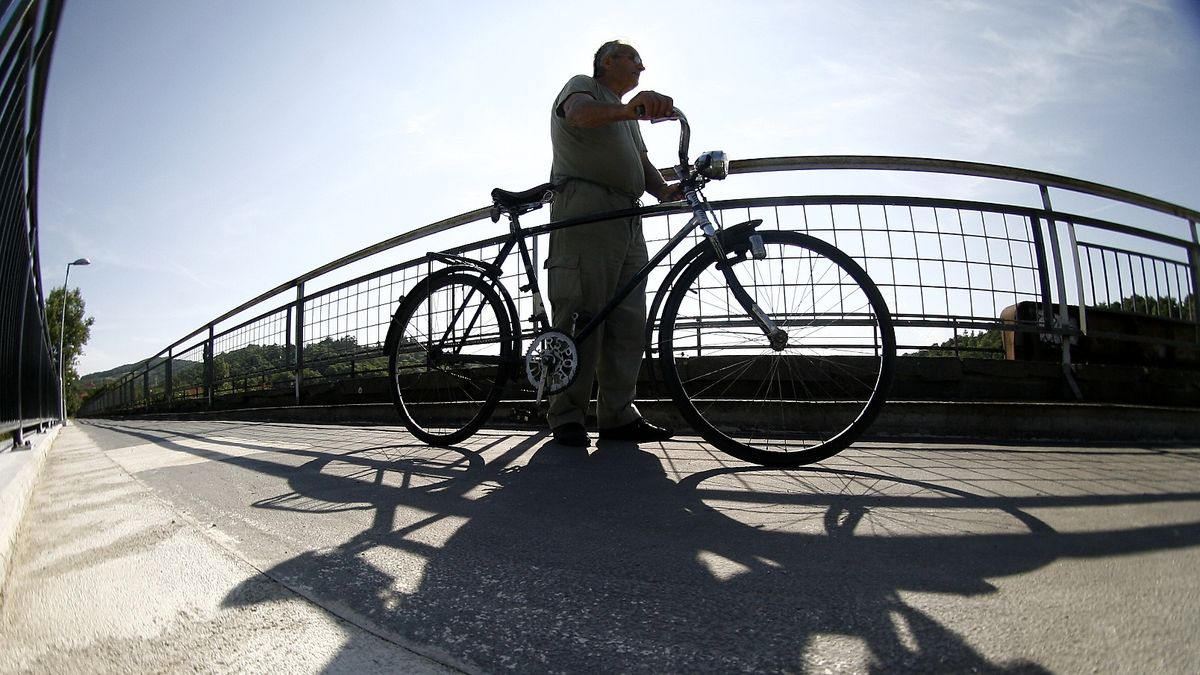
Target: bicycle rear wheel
453	355
790	404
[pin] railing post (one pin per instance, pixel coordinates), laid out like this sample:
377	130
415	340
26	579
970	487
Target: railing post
169	376
208	368
1039	250
1078	278
1064	313
146	386
289	355
1194	263
299	340
18	434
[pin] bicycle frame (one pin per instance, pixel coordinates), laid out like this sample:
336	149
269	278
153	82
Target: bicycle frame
693	181
818	391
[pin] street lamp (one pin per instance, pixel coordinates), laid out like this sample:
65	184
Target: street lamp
62	328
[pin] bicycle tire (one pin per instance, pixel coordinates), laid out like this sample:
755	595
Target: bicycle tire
791	406
452	357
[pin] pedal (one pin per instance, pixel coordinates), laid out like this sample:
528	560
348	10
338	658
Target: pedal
524	414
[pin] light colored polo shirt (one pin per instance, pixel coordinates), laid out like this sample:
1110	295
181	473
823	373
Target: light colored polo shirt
610	155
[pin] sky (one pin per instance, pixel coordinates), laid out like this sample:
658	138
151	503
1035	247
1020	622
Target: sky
202	152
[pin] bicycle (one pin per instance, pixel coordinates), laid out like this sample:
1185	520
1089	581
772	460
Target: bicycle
776	347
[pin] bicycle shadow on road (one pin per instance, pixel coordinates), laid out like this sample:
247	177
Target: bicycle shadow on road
599	561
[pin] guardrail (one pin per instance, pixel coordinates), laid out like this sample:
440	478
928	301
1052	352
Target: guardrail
946	266
29	383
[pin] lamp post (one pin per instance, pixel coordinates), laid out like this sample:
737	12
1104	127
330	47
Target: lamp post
62	328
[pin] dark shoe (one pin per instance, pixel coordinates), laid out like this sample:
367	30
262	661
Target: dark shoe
572	434
637	431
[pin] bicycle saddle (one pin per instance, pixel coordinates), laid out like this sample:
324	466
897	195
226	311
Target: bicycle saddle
525	200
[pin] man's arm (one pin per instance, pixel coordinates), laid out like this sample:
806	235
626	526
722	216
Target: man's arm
655	185
581	110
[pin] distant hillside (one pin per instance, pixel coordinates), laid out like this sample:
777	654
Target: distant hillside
107	375
327	358
94	381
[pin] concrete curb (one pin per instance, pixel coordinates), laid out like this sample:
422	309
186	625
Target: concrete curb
19	472
899	420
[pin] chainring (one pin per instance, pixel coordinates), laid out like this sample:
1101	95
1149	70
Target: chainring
551	362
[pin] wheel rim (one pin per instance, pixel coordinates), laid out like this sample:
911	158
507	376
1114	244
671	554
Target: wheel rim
793	405
450	361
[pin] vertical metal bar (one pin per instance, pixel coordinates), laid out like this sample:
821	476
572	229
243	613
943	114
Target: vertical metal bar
209	366
1132	282
288	356
169	385
1055	248
1039	249
1092	272
1194	263
1162	303
18	434
1146	288
991	268
1182	283
1078	278
1172	293
937	226
962	233
833	226
299	372
1107	281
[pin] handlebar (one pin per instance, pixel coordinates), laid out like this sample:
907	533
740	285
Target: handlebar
685	135
685	130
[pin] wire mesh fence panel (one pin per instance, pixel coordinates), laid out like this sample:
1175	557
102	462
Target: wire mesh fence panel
948	270
255	356
345	327
187	375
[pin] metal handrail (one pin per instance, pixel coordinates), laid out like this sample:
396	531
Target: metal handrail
1038	219
961	168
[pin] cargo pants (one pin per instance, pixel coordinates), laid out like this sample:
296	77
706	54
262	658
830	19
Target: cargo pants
586	266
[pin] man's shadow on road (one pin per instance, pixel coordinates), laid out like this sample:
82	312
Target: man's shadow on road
597	561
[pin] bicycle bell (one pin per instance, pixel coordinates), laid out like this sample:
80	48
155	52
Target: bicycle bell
713	164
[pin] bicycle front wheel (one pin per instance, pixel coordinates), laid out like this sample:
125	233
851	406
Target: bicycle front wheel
452	357
787	403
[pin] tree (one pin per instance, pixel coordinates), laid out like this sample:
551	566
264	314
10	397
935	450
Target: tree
1164	306
76	329
987	344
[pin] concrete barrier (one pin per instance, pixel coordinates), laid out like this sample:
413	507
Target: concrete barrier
19	471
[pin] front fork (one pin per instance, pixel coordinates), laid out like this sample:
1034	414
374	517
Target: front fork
776	336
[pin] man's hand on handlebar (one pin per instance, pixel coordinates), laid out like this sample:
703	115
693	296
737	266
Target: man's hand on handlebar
650	105
671	192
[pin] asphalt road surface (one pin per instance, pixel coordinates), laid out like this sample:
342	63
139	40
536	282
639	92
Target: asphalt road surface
239	546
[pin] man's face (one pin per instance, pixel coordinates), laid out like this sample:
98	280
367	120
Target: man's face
624	68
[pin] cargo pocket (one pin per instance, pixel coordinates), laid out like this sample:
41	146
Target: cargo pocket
564	285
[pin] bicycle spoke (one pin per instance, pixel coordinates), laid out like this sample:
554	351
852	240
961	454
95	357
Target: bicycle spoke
451	359
788	403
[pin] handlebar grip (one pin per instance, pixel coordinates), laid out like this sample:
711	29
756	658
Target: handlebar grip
640	111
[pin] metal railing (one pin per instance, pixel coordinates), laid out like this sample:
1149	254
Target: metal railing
29	383
947	267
